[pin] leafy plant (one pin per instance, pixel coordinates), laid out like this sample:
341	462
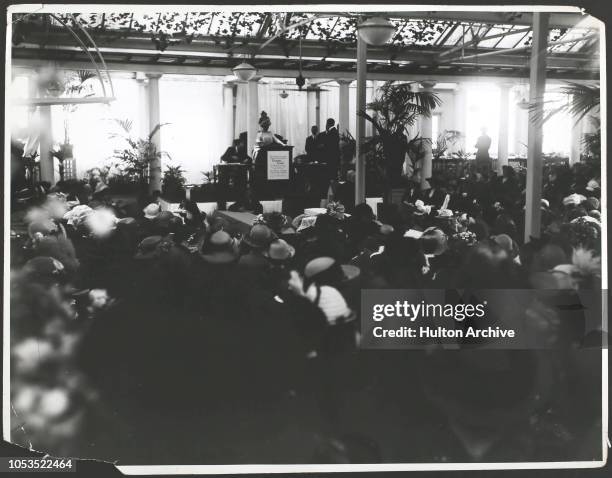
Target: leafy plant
592	142
137	157
174	180
446	139
395	109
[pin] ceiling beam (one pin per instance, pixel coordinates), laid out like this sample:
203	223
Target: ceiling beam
428	73
206	47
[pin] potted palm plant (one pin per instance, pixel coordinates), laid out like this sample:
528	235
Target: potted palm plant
138	155
396	108
173	184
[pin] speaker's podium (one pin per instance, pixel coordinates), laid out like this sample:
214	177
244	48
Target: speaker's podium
273	172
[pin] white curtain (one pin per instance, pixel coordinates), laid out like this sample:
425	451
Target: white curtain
241	111
195	135
288	115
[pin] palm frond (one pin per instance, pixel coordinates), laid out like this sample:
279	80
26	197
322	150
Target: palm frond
584	99
156	129
581	100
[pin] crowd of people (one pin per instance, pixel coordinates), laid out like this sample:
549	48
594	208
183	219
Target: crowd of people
134	328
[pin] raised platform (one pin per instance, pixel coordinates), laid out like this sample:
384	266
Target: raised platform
238	221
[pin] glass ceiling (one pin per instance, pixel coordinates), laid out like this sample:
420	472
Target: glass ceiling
328	28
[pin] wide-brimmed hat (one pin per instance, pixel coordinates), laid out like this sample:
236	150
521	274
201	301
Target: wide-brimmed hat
592	185
321	264
44	269
42	227
318	265
219	249
260	236
148	247
573	200
433	241
151	211
350	272
163	219
280	250
506	243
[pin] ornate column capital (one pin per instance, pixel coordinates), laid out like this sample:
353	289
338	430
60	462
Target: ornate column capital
153	76
344	81
428	84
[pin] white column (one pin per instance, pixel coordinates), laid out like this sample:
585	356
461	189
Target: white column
343	119
318	122
576	143
155	168
45	140
362	65
47	172
143	108
460	119
312	111
537	84
502	137
228	113
426	132
252	112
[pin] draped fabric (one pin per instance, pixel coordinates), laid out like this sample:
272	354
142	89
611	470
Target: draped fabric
195	135
288	115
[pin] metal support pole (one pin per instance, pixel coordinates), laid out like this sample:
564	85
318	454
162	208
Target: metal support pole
537	85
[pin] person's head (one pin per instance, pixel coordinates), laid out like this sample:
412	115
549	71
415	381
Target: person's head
363	212
433	241
264	121
314	130
191	209
508	171
330	123
483	130
259	237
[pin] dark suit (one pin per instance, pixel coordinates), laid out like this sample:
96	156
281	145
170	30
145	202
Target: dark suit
331	151
234	154
312	147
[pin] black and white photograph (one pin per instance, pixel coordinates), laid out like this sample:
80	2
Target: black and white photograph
305	238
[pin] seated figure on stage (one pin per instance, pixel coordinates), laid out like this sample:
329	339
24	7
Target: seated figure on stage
236	166
236	153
